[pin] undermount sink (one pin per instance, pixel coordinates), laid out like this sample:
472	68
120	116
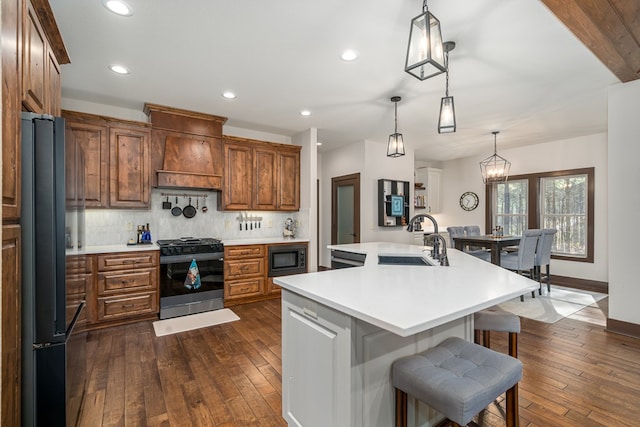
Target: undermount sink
403	260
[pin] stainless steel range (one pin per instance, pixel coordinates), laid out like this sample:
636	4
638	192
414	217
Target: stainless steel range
185	289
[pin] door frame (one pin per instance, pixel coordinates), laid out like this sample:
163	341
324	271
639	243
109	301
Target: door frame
351	179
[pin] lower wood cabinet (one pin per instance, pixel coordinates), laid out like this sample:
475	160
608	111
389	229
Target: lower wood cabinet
246	275
124	288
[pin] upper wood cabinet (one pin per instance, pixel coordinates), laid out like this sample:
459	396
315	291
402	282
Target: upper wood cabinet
129	166
117	159
289	178
93	141
238	176
35	60
42	54
260	175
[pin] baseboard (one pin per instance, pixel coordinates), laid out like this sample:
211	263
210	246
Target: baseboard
584	284
623	328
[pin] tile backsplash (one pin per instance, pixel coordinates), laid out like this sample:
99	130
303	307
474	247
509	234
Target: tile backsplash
111	226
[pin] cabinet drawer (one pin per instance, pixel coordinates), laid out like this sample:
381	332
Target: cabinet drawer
243	268
249	251
244	288
72	306
77	264
129	305
127	281
77	285
127	260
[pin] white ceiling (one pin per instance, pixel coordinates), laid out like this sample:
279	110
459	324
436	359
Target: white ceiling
515	68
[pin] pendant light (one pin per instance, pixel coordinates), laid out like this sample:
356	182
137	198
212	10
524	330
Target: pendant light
495	168
425	57
447	120
395	148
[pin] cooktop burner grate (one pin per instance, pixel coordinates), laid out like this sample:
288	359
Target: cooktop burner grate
189	245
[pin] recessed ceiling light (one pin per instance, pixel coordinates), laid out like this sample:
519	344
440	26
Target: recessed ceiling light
349	55
119	69
305	113
118	7
229	95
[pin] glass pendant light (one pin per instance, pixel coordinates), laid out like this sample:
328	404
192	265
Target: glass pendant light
447	120
395	148
425	56
495	168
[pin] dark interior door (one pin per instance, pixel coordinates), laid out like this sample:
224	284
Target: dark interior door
345	209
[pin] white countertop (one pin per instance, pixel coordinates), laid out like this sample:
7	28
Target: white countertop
407	299
102	249
262	241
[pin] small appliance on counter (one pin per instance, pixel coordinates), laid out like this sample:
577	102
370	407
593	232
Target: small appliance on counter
289	230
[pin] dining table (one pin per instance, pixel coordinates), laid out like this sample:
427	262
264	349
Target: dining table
494	243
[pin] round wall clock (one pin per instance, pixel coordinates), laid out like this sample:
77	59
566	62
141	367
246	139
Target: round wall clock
469	201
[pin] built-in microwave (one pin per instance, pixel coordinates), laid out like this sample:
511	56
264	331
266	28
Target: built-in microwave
287	259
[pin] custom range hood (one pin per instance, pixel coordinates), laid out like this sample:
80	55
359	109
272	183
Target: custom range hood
186	148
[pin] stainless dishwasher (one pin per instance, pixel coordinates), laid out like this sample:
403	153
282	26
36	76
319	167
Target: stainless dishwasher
342	259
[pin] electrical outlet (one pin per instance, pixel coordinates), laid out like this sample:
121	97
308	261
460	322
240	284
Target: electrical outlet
227	224
129	226
270	223
297	224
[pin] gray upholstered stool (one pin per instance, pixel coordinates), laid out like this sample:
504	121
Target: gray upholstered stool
458	379
485	321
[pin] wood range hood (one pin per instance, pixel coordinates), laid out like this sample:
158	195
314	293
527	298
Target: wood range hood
186	148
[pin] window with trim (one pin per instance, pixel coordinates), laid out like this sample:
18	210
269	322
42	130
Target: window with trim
563	200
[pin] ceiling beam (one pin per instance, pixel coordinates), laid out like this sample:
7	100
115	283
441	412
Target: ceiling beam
609	28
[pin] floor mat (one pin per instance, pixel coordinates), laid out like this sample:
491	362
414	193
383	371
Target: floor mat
558	304
193	321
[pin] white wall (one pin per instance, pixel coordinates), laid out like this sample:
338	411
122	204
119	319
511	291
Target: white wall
624	203
370	159
590	151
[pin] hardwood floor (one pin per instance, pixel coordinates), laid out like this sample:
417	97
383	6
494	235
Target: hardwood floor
576	374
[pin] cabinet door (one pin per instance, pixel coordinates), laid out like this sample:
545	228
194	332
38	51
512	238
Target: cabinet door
34	62
265	164
53	85
93	142
129	166
238	177
11	321
289	180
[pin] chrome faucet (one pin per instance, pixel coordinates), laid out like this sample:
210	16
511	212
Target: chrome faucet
435	251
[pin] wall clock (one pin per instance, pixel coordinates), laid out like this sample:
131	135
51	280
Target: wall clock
469	201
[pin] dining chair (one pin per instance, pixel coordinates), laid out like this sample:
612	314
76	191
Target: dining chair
523	261
460	232
473	230
543	256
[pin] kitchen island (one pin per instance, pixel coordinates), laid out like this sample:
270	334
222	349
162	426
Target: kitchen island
342	329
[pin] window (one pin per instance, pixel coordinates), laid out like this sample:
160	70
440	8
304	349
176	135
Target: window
511	206
563	200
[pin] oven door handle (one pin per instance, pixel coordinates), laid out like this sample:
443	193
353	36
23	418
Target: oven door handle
174	259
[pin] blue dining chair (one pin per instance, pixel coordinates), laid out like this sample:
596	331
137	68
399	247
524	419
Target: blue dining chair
523	261
543	256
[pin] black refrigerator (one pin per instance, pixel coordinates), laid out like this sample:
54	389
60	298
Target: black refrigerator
52	220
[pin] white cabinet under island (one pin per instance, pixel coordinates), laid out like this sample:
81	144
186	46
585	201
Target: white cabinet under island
342	330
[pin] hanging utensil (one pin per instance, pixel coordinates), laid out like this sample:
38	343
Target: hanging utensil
189	211
166	204
204	205
240	219
176	210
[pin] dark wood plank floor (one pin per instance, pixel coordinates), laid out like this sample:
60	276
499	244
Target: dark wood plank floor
576	374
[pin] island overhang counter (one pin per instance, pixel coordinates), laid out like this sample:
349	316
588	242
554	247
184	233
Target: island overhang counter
342	329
